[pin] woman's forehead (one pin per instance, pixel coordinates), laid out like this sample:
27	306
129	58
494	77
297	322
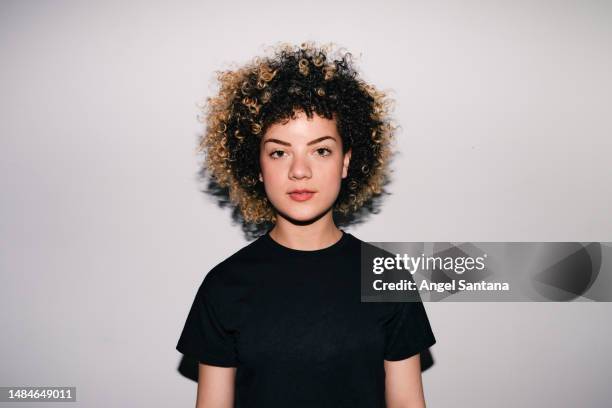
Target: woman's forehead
303	129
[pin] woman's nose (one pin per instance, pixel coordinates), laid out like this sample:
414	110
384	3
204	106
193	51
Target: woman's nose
299	168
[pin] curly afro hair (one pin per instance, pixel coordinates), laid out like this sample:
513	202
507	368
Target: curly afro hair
272	89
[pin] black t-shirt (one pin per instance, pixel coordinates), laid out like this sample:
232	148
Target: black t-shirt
293	324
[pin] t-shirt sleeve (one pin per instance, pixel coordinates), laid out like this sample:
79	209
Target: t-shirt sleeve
407	332
204	336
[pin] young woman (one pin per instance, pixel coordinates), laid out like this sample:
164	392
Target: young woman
297	138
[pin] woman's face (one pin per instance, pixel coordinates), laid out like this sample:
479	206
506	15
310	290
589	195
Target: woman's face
303	154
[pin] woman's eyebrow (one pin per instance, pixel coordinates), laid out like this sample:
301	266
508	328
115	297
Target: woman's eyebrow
309	143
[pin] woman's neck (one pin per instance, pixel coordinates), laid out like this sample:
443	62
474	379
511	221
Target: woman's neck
310	237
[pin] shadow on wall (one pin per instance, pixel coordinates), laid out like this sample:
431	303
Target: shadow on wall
188	367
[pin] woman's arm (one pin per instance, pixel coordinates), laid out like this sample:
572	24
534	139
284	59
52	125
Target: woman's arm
215	386
403	385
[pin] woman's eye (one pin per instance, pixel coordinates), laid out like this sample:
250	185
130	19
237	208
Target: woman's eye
272	155
323	151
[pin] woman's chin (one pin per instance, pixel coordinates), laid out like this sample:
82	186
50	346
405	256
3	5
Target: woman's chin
304	215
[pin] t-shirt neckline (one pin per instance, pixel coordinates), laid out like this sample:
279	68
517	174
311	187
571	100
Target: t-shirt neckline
315	252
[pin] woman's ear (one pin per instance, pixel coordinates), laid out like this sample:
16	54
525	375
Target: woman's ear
345	165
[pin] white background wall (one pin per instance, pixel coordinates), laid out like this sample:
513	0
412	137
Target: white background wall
104	237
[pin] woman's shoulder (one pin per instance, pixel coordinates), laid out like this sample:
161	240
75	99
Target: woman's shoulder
235	264
368	246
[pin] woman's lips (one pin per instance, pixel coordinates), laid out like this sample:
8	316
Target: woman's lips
301	196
